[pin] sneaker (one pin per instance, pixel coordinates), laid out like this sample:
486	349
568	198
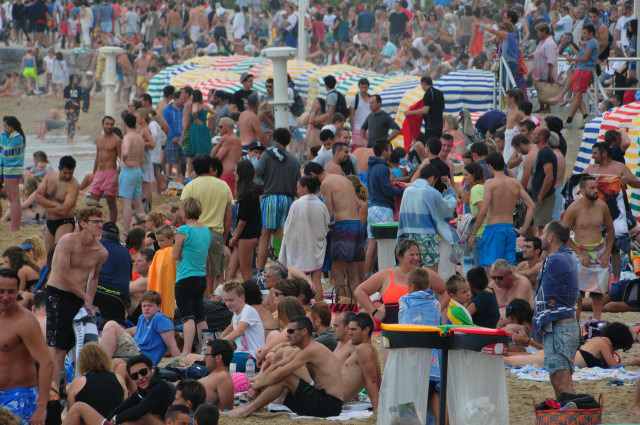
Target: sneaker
568	124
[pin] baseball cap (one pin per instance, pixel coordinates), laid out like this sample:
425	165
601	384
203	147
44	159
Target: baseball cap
256	145
111	228
329	127
244	76
89	73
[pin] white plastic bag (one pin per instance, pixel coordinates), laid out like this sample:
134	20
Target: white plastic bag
405	380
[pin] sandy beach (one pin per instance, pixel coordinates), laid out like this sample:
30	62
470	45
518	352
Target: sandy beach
31	111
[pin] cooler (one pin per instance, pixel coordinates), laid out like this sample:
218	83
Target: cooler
406	373
476	382
385	234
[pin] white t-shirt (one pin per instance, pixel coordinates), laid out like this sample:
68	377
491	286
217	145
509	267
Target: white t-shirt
360	115
620	26
418	44
328	21
48	63
238	25
253	336
566	24
293	20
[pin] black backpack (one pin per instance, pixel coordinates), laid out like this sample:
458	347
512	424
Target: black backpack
341	105
297	107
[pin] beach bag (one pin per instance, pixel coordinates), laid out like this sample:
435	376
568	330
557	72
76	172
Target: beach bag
465	226
580	416
593	327
297	107
342	300
546	91
632	294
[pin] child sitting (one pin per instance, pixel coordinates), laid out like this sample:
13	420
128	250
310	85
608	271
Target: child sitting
484	308
162	273
460	294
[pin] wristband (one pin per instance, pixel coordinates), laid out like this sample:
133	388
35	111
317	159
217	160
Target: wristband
374	312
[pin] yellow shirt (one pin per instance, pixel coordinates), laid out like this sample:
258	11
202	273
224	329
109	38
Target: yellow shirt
214	195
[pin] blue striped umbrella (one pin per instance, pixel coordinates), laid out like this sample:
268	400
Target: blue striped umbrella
471	89
392	94
161	79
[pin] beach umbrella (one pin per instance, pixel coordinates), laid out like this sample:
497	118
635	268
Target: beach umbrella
202	60
294	68
374	82
316	79
226	63
349	81
470	89
192	77
247	64
229	85
162	78
589	138
259	68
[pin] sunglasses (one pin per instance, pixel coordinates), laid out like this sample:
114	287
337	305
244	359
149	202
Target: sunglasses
278	293
497	277
290	331
141	372
96	221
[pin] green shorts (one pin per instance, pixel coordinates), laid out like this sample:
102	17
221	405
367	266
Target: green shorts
428	246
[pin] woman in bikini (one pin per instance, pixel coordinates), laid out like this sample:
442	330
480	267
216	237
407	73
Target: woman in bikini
392	284
15	258
599	351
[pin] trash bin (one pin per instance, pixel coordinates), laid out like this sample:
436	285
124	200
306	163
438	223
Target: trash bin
405	382
477	385
385	234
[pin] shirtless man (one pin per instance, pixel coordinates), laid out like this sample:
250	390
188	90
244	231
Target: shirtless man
362	155
23	391
500	196
522	146
229	151
140	70
340	326
509	285
512	98
530	267
249	125
72	283
130	178
58	194
447	146
585	216
174	21
340	156
604	165
362	368
315	361
347	241
105	167
218	383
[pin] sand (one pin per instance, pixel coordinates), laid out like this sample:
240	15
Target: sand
616	399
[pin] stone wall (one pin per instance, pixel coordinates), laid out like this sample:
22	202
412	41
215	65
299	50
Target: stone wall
11	59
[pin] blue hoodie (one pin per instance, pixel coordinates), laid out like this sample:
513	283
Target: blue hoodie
381	192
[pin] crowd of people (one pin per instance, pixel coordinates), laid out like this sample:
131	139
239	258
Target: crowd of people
295	214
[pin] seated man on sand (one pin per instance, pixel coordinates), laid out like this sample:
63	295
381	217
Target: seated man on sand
362	368
218	383
322	399
53	121
508	285
340	327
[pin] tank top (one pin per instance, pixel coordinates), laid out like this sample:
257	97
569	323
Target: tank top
102	391
29	62
391	299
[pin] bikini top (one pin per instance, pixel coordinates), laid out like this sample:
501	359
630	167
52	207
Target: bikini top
394	292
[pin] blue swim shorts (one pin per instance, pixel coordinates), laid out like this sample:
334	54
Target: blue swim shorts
498	241
560	346
275	209
22	402
130	183
347	241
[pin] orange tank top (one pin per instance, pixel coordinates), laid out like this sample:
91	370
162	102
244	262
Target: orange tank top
394	292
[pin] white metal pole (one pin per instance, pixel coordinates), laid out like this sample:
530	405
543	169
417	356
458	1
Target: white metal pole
303	46
109	78
279	57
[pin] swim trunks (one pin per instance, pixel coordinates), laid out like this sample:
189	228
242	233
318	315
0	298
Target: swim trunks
22	402
560	346
62	307
274	209
428	246
229	179
347	242
498	241
103	183
130	183
311	401
53	225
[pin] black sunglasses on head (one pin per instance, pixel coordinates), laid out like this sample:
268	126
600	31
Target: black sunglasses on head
141	372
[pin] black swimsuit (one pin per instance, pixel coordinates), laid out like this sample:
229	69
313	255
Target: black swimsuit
590	359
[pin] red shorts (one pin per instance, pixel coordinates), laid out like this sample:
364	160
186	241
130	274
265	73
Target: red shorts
581	80
103	183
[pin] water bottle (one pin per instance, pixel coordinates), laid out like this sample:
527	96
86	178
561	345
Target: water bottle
232	368
250	367
207	336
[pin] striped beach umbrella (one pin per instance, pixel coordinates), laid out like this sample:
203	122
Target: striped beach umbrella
202	60
192	77
247	64
162	78
226	63
471	89
229	85
631	156
589	138
294	68
350	81
259	68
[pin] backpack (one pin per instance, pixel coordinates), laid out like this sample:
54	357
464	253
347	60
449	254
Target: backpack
605	53
341	105
297	107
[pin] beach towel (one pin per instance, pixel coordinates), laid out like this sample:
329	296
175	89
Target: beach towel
411	126
457	314
593	278
86	331
531	373
162	279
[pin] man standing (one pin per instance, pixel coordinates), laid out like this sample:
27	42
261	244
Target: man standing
218	383
555	316
362	368
215	197
586	216
347	240
585	62
326	156
619	142
530	267
280	172
58	194
365	22
359	106
130	178
112	293
237	100
323	398
23	391
378	123
432	109
500	196
432	157
523	147
249	126
105	167
425	212
72	283
397	23
381	193
544	177
229	151
172	114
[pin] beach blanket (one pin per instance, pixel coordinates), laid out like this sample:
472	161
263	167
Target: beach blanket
349	411
531	373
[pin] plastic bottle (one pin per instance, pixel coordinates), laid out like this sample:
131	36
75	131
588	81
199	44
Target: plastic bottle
250	367
635	260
